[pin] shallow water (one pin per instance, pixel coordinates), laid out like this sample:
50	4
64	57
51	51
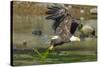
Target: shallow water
54	57
83	51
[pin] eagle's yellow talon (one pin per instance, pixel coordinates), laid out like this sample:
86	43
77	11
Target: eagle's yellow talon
51	47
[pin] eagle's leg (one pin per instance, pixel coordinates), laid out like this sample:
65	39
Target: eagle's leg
51	47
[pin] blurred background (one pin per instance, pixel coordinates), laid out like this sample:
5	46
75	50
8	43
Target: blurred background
32	30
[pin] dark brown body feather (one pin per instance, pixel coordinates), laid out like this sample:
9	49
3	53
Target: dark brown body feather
63	30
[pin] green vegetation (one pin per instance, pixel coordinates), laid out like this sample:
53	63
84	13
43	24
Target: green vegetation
71	52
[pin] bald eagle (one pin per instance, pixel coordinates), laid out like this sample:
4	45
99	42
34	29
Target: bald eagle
64	26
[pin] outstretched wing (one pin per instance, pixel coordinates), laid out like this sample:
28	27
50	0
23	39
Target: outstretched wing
64	25
57	14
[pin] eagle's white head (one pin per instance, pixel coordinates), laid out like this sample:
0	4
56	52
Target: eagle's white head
73	38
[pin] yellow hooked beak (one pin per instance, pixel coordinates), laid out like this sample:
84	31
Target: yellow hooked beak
77	39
